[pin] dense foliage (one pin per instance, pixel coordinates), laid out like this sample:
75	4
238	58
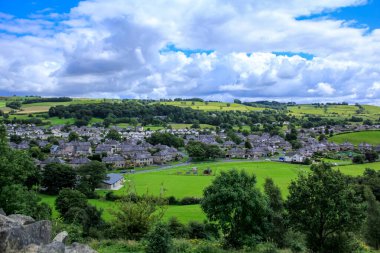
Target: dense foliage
165	139
238	207
44	100
325	207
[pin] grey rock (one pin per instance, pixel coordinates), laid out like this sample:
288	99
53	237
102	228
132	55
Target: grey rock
2	211
21	219
61	237
54	247
79	248
21	234
14	237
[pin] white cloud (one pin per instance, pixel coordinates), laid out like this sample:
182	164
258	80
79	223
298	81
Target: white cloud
323	89
112	48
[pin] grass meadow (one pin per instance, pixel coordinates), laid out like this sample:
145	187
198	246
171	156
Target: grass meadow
371	137
335	111
175	182
213	106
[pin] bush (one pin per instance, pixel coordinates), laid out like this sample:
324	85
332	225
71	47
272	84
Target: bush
159	239
267	248
176	228
181	246
110	196
190	201
172	200
197	230
358	159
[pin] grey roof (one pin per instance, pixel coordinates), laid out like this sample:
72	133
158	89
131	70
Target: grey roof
113	178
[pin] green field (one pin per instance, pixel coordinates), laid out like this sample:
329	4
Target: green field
45	106
335	111
213	106
170	183
371	137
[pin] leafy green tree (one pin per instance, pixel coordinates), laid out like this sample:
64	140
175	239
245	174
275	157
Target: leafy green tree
14	105
73	136
18	199
165	139
91	175
248	145
372	223
36	152
202	151
133	220
113	134
58	176
68	199
371	156
15	138
323	205
371	179
238	207
159	239
358	159
16	167
277	218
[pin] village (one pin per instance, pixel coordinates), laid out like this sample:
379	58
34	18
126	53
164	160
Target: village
134	151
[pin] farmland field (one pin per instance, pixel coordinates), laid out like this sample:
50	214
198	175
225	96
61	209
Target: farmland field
371	137
335	111
213	106
170	183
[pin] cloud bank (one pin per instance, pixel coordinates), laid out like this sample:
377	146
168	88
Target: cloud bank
115	48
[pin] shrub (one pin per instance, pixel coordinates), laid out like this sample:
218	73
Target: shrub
176	228
197	230
190	201
181	246
159	239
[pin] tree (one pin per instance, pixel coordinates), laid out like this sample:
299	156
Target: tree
17	199
133	220
358	159
14	105
372	223
92	174
371	156
113	134
58	176
159	239
165	139
202	151
16	167
15	138
323	205
73	136
68	199
237	101
238	207
279	223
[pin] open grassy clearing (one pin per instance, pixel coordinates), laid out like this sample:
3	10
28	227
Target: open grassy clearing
371	137
335	111
169	183
213	106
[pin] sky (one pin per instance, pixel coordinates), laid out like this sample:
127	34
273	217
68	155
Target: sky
292	50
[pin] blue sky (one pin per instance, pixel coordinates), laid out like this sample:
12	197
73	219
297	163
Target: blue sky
24	8
290	50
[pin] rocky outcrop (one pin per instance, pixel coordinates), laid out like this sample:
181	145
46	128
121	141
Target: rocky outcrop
20	233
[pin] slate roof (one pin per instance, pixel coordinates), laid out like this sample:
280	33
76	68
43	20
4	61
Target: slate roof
113	178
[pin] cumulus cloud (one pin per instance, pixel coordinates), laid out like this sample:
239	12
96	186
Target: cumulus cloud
114	49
